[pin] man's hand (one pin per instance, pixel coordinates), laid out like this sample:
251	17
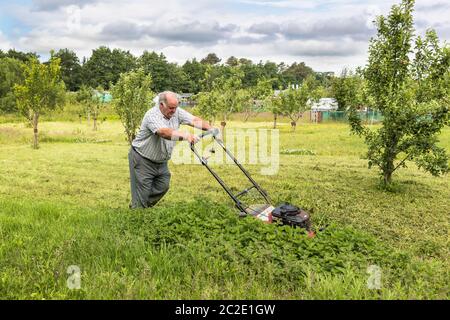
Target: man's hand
214	131
192	138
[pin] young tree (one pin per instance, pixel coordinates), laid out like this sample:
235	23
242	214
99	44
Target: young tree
257	97
213	74
248	103
208	105
92	101
97	105
84	98
131	97
230	99
412	95
296	101
225	96
274	104
42	90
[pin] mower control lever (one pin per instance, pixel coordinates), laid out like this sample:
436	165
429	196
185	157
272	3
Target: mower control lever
214	131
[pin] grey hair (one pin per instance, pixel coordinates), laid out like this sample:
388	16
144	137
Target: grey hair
162	97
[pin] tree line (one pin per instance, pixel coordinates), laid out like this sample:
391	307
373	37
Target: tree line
104	66
103	69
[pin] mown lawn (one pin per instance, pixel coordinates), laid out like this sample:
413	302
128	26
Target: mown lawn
67	204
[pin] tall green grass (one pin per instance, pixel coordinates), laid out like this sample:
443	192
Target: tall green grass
197	250
66	204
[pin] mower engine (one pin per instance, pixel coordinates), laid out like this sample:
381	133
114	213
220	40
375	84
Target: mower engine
292	215
286	214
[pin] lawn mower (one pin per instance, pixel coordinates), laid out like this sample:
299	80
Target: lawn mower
283	214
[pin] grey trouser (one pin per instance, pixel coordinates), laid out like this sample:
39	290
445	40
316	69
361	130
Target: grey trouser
149	180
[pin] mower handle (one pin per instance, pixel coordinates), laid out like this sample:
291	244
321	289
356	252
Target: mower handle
214	132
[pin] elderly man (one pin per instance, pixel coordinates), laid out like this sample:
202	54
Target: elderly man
152	148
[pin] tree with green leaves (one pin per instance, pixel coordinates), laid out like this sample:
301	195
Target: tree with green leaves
346	88
98	104
165	75
295	101
42	90
208	105
21	56
232	61
210	59
71	71
274	104
295	73
93	101
410	87
228	98
247	103
11	73
194	72
252	73
257	97
211	74
132	95
269	70
84	98
105	66
225	95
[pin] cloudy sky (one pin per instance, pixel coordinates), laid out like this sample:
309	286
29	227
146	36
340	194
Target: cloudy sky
326	34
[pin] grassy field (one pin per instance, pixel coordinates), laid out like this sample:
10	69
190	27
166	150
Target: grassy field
67	204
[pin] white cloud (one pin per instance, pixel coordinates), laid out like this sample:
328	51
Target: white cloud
5	44
325	34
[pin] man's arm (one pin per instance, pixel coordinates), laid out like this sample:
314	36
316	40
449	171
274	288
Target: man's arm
193	121
170	134
189	119
200	124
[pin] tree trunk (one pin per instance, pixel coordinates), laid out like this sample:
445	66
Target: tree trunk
95	123
294	125
275	116
388	169
387	178
222	125
35	130
89	118
30	119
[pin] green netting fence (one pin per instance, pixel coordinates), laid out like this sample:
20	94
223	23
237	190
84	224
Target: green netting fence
342	116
